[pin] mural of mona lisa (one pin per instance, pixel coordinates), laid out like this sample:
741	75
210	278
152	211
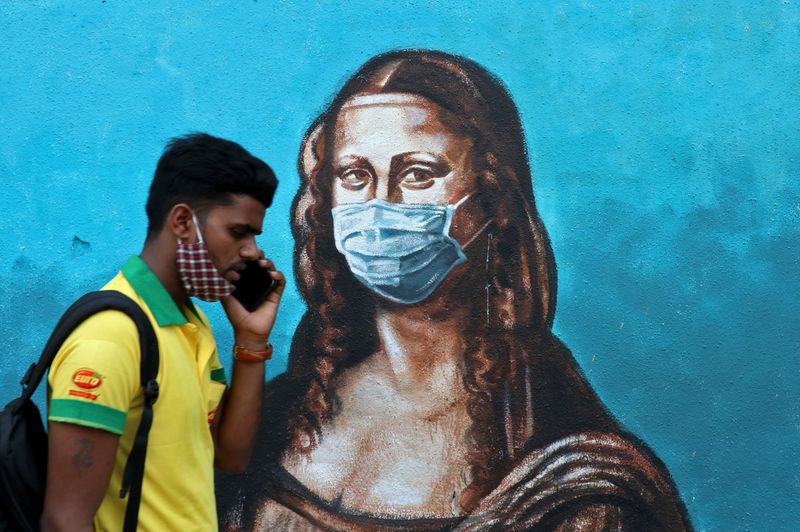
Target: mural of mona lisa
425	389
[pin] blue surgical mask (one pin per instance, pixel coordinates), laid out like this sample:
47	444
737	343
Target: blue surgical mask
399	251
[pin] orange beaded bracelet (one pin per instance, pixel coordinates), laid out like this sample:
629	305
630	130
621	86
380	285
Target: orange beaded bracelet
242	354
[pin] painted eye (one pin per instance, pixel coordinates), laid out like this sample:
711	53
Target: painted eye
355	178
417	178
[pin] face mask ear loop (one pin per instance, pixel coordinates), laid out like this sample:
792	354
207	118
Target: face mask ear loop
197	229
477	234
457	204
451	211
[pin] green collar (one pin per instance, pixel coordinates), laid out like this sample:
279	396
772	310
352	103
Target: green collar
155	296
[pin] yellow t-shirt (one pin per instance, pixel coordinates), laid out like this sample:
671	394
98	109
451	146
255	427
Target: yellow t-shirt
94	381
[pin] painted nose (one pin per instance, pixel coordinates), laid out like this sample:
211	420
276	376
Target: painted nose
387	190
382	190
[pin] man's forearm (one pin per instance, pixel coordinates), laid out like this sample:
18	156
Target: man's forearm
240	412
240	417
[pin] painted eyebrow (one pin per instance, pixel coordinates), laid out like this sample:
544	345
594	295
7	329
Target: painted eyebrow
437	162
351	161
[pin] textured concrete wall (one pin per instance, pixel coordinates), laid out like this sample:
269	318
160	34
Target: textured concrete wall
665	145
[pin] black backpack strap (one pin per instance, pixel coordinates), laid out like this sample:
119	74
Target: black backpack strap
86	306
133	475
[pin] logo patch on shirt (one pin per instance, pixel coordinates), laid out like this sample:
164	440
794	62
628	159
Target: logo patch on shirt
85	395
86	378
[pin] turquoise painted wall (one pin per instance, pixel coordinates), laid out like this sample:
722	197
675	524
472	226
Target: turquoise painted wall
665	144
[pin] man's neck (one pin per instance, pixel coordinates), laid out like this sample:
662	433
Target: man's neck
160	258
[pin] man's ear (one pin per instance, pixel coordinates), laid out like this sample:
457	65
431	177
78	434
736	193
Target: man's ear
179	222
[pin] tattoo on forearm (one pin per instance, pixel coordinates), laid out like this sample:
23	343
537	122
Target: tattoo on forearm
84	458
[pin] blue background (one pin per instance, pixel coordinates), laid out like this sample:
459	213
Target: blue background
665	144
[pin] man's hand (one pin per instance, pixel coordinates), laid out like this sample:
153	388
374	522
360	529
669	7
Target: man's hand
251	329
237	419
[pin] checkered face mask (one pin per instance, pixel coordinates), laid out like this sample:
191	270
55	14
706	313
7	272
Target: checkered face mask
198	274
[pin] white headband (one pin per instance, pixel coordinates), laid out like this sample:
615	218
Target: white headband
386	98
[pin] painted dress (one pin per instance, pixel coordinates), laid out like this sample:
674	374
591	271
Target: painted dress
579	471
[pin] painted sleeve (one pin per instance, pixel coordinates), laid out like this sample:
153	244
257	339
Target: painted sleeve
95	374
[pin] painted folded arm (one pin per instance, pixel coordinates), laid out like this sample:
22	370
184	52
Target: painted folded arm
587	481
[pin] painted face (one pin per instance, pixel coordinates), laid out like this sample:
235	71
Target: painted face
230	231
400	152
400	176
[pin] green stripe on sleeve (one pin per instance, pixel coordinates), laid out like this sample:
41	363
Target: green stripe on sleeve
218	375
87	414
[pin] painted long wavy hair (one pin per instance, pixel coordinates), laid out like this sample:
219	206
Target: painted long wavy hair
513	305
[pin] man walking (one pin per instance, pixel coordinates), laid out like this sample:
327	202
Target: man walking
205	207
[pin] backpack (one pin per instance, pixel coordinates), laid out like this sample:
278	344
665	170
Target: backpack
23	439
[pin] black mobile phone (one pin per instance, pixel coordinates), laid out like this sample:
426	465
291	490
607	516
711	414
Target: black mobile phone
253	286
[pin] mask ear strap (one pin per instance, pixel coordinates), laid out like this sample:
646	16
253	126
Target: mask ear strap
477	234
457	204
197	229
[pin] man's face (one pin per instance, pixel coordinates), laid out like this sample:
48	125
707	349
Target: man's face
230	231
